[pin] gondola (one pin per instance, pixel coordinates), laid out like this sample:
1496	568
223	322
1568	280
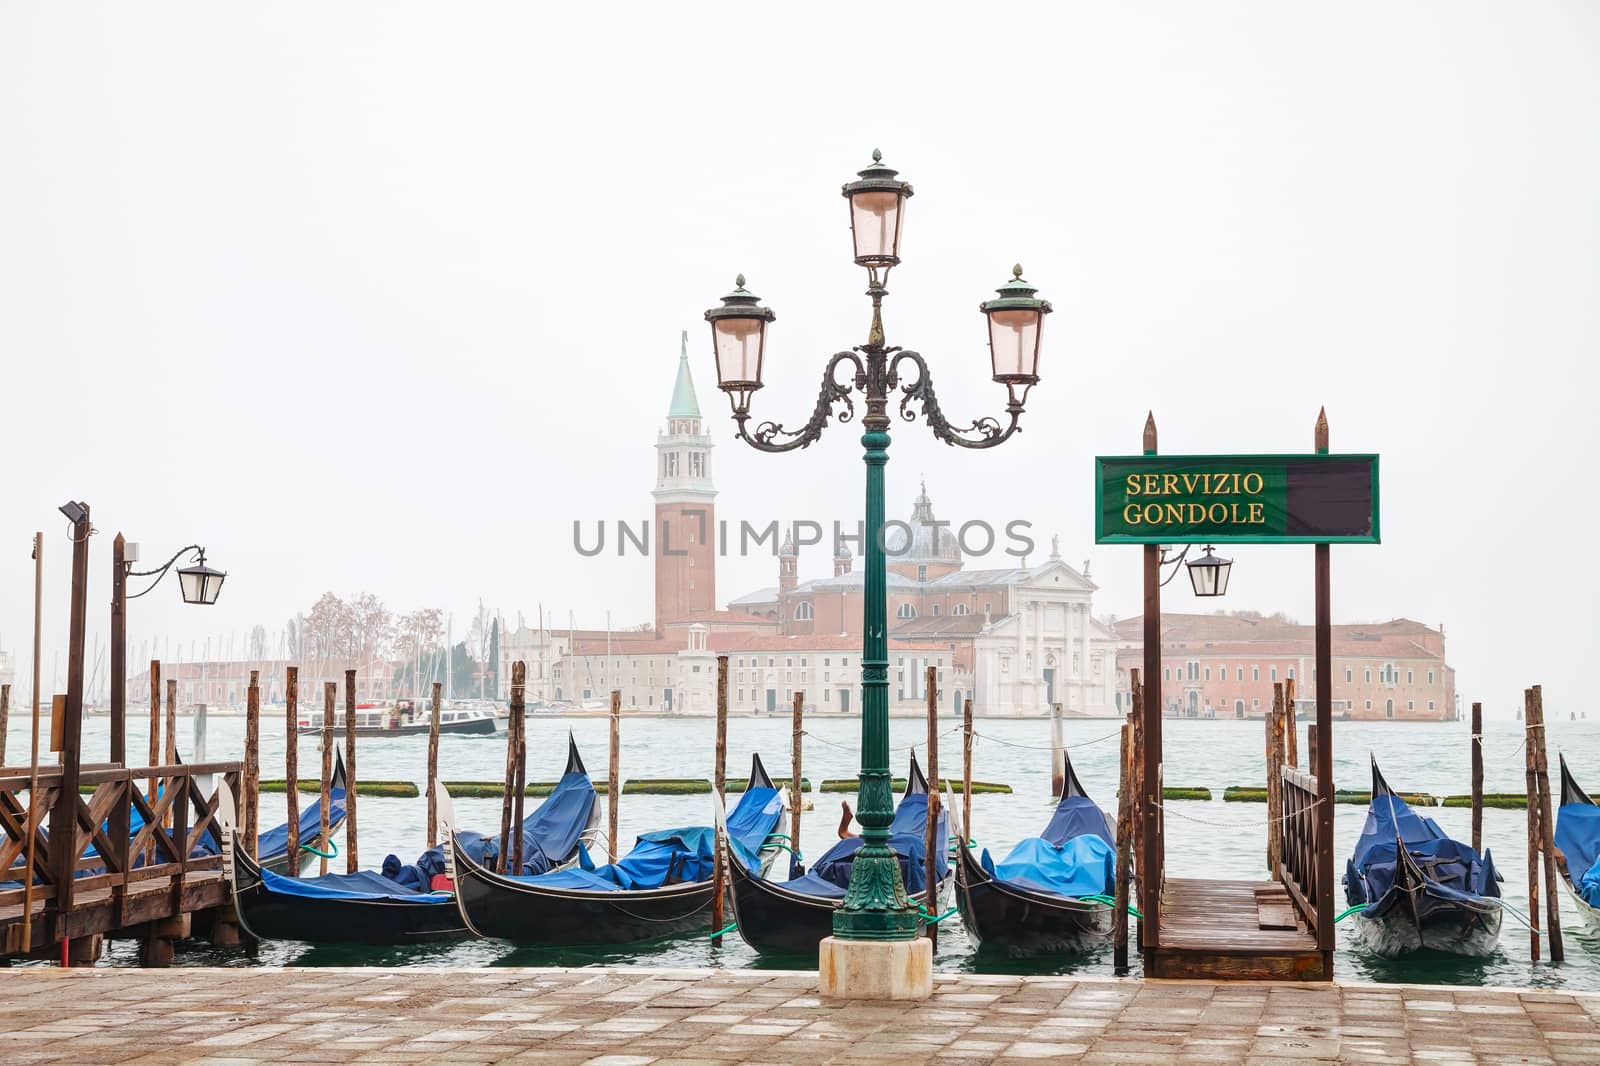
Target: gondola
1577	840
1036	899
1418	888
793	916
660	888
401	904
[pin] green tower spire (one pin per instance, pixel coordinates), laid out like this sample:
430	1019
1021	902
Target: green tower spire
684	403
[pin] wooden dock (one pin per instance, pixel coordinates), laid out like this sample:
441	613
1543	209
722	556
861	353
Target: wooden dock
1240	930
131	867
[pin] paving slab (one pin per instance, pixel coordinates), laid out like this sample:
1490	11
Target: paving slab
643	1017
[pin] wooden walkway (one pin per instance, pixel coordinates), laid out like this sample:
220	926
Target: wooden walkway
1239	930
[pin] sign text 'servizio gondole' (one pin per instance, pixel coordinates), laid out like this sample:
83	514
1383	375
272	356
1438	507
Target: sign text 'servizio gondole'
1240	499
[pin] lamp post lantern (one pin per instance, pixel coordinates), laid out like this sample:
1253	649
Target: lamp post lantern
876	907
1209	574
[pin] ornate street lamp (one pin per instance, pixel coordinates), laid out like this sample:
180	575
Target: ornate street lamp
1209	574
876	907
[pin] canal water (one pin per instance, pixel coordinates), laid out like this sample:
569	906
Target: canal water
1213	839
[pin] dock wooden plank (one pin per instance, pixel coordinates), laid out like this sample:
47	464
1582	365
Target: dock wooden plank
1232	930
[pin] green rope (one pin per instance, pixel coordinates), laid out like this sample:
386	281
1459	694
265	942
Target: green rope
928	918
777	836
1349	911
730	927
783	847
1111	901
334	854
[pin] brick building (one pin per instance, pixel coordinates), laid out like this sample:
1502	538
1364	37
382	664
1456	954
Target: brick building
1224	666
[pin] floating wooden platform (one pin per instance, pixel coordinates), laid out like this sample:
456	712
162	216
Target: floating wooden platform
1234	930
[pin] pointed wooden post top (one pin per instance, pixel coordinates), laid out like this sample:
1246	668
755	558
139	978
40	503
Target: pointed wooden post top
120	542
1322	431
1150	433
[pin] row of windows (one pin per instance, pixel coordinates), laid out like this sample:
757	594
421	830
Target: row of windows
804	612
1192	671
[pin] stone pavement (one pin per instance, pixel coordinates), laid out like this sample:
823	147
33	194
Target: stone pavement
635	1017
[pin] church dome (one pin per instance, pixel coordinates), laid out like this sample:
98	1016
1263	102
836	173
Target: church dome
928	543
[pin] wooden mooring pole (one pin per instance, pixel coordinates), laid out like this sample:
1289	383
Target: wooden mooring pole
352	860
519	784
35	812
506	802
1541	767
935	844
796	774
291	764
1532	784
1126	801
966	768
719	781
1477	778
252	764
155	728
64	812
1275	755
1058	762
613	779
5	719
433	767
170	749
1291	732
329	695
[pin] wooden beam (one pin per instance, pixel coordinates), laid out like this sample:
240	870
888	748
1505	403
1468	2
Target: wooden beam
1541	766
63	816
519	782
613	784
324	831
119	642
796	775
351	859
1323	767
1477	778
1152	853
719	782
433	767
252	765
291	766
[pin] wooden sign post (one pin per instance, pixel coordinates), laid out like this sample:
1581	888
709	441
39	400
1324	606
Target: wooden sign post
1160	500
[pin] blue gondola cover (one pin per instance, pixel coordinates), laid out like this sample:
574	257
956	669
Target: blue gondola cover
1452	870
676	856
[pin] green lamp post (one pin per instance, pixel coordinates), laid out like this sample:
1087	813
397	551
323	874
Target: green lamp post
876	907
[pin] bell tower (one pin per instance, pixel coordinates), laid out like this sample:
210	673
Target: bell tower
685	528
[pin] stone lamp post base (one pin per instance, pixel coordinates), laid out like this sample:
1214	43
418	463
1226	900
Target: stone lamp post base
876	969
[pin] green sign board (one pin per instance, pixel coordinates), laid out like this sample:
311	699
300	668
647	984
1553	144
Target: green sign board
1239	499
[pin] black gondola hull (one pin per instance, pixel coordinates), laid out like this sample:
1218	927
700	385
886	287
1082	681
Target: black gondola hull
1020	922
1398	927
524	913
270	915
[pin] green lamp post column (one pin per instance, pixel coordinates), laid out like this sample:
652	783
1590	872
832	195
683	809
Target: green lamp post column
876	906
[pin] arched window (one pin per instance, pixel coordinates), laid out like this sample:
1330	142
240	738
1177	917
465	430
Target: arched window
802	613
960	608
936	610
1388	708
906	611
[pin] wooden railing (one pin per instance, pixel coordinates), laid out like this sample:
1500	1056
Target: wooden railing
109	847
1299	836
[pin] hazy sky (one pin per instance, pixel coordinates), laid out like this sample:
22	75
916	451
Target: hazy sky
384	296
